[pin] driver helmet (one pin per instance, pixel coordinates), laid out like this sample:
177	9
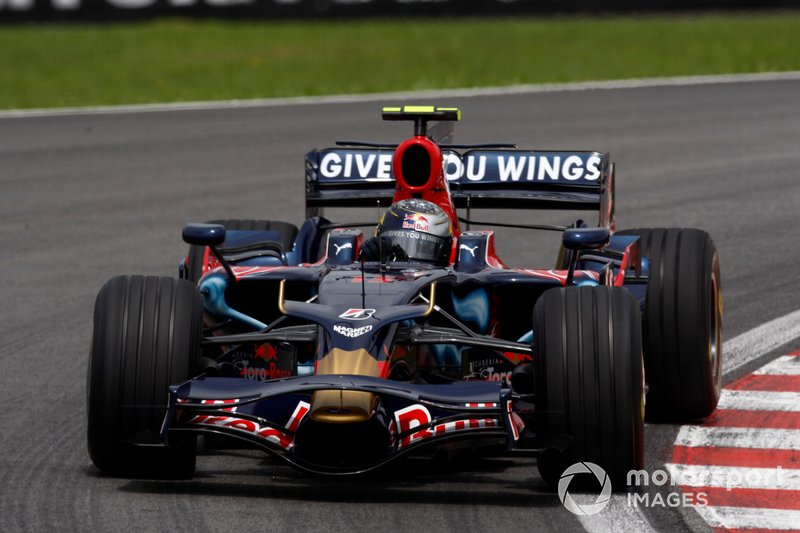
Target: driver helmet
421	228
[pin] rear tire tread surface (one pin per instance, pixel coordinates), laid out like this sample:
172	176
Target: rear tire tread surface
682	322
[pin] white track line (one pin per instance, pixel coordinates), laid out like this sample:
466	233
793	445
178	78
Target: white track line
741	518
759	400
728	437
410	95
788	365
759	341
735	477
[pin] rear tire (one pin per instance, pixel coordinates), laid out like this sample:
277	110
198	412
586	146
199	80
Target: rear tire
146	337
196	255
588	371
682	330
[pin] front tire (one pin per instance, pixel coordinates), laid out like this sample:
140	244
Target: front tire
589	386
682	323
146	337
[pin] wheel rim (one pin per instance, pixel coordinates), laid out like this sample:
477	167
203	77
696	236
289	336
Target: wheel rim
716	320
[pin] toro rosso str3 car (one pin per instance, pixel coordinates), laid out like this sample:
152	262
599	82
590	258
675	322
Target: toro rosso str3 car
340	351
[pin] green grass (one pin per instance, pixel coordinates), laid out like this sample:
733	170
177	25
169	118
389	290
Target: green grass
179	60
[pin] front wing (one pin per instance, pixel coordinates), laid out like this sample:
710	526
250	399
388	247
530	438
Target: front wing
274	416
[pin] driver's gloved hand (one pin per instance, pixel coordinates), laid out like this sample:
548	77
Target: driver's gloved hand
371	248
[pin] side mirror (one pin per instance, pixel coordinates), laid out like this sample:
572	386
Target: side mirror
586	238
204	234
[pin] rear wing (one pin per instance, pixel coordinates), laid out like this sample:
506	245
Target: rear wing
477	178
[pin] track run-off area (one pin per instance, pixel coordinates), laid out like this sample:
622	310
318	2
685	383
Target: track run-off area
87	195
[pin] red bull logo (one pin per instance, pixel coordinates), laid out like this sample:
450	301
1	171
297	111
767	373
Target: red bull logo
416	222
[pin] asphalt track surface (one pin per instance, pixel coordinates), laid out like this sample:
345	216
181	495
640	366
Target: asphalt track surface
84	198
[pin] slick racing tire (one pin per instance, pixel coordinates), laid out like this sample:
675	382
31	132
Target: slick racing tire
682	324
146	337
589	386
287	231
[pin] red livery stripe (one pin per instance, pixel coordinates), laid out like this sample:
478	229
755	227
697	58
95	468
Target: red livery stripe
746	457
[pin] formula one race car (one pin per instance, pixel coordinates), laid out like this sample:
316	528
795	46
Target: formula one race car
339	351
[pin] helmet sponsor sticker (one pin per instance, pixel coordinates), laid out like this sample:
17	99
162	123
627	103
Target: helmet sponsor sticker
416	222
413	234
